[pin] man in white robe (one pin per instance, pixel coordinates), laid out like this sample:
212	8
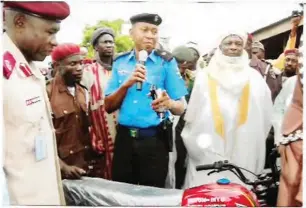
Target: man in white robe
228	115
282	102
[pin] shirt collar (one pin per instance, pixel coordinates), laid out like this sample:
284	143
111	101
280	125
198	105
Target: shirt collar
152	56
62	87
9	45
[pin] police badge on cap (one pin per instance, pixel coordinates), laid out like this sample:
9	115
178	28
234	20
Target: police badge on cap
154	19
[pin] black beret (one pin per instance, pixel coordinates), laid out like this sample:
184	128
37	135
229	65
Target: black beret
154	19
99	32
44	9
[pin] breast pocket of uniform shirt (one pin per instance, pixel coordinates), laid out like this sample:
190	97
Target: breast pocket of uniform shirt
64	122
123	76
34	106
156	77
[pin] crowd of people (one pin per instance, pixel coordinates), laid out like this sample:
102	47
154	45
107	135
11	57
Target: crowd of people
149	122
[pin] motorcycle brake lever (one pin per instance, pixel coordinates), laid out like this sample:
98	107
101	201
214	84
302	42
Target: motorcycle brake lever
211	172
217	171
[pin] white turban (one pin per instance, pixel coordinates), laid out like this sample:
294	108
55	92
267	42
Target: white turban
230	72
242	35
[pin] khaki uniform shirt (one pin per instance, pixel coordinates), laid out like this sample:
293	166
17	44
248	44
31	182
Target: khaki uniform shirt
71	122
26	114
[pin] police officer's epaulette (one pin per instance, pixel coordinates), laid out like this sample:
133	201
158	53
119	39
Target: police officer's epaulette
121	55
9	63
166	55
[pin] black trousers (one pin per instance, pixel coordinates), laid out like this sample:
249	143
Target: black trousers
269	146
142	161
180	169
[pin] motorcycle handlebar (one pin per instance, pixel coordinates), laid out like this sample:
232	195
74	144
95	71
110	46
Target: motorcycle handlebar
224	165
205	167
216	165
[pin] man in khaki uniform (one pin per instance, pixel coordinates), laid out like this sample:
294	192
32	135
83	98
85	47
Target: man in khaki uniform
31	163
70	103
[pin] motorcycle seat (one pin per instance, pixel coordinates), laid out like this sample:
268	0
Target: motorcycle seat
101	192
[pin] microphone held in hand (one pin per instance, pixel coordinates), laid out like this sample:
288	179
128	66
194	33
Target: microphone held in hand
143	55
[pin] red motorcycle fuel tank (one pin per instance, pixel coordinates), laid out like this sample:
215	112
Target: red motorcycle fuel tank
223	193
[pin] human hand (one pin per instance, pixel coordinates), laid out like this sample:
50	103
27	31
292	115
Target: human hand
139	75
162	103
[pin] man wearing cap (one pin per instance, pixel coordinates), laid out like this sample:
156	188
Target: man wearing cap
279	63
291	63
69	102
142	143
103	130
272	78
193	47
265	69
187	60
258	50
270	73
31	163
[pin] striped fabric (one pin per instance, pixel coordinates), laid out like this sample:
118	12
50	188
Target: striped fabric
103	124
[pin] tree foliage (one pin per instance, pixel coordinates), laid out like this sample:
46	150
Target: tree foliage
123	43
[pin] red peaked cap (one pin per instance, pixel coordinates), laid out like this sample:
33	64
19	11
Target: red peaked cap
292	51
45	9
64	50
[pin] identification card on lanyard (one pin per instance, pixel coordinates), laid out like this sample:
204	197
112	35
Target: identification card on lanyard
40	145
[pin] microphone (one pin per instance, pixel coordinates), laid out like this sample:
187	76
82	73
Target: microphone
143	55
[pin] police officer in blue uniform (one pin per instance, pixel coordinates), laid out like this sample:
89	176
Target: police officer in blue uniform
141	150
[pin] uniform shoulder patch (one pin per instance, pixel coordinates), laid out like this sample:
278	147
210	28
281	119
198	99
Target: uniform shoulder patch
119	55
9	63
166	55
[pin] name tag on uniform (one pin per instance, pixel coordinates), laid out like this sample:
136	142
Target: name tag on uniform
40	147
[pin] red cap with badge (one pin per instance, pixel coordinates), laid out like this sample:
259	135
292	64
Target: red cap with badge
45	9
65	50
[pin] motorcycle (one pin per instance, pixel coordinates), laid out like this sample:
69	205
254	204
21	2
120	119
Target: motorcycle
226	194
100	192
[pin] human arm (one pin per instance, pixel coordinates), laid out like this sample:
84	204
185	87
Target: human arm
176	107
70	171
175	89
115	94
280	61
